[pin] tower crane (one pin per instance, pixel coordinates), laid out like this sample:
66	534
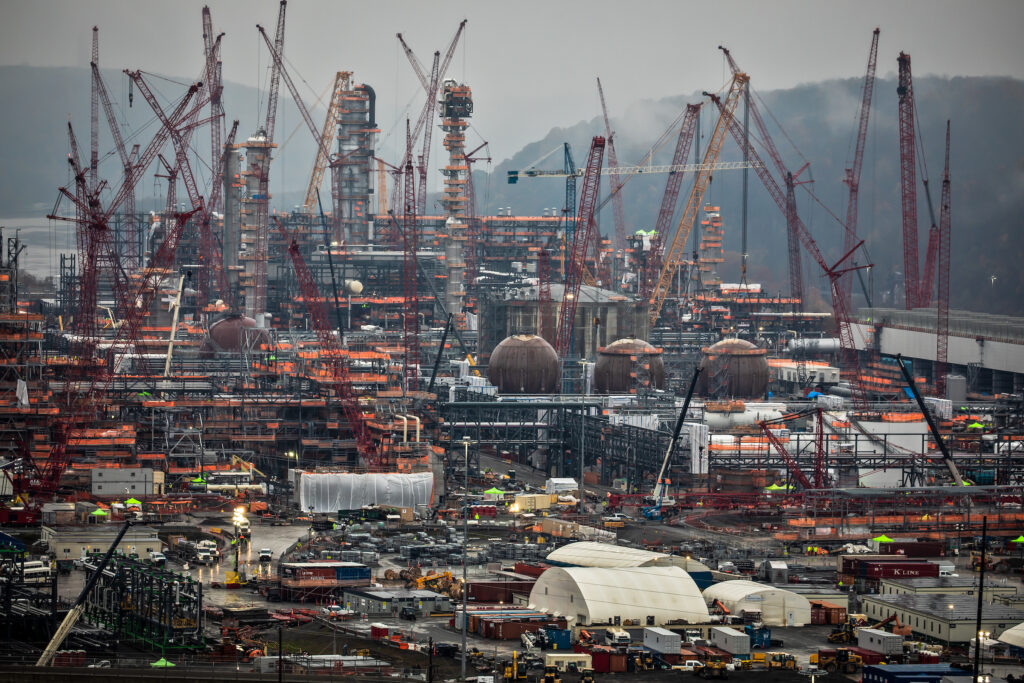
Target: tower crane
428	130
674	254
574	267
852	176
616	184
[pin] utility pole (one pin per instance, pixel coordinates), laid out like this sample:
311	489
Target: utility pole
465	542
981	601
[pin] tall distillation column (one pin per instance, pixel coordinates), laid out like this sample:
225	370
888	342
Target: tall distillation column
456	107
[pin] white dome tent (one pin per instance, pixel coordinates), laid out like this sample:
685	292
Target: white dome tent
646	596
778	606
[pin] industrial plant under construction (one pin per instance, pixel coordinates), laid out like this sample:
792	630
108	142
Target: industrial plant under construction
401	382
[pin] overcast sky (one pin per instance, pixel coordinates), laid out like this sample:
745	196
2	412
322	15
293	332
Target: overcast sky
531	63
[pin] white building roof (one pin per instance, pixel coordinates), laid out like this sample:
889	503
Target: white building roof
778	606
1013	636
606	555
599	595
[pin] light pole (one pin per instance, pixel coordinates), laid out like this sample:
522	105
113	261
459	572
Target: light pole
979	643
237	519
465	542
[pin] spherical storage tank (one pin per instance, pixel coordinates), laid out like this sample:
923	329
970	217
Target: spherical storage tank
524	364
733	368
627	363
227	335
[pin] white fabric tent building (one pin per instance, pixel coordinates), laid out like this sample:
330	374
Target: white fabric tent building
1012	636
778	607
645	596
608	556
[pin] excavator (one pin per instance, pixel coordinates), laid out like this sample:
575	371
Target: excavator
847	633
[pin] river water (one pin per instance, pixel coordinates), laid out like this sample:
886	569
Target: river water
44	241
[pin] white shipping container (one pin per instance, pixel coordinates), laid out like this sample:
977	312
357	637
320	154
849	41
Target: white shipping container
877	640
662	640
729	639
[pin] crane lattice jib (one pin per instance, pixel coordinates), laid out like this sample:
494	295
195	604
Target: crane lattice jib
848	350
424	160
674	254
791	464
578	253
908	179
853	174
341	84
322	143
942	294
673	184
410	293
317	309
796	271
616	184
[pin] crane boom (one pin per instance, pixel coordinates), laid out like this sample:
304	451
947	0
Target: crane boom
852	177
577	255
908	179
674	254
791	464
942	295
341	83
616	184
659	489
954	471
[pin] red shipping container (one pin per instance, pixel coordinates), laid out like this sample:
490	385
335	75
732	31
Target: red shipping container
378	632
600	659
617	662
527	569
900	570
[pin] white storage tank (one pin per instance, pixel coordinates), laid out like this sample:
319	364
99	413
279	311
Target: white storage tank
729	639
662	640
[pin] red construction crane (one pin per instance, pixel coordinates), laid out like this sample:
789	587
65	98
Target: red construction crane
669	199
850	361
908	179
577	255
852	177
791	464
210	258
94	117
942	296
789	208
547	321
428	130
331	351
410	293
821	476
614	180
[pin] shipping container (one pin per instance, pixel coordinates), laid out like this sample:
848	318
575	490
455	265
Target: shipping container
880	641
899	570
914	548
662	640
527	569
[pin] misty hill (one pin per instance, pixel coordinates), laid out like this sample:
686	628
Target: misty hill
41	100
987	162
987	176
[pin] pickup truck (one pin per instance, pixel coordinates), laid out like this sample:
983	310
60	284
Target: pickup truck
266	555
689	665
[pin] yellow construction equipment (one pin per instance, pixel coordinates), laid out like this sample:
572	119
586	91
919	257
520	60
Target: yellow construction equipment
341	84
840	659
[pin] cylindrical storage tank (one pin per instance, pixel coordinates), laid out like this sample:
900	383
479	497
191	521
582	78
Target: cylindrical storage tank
626	364
524	364
733	368
227	335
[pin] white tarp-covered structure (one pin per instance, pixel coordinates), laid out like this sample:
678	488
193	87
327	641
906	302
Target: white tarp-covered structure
646	595
560	485
1013	636
333	491
778	607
